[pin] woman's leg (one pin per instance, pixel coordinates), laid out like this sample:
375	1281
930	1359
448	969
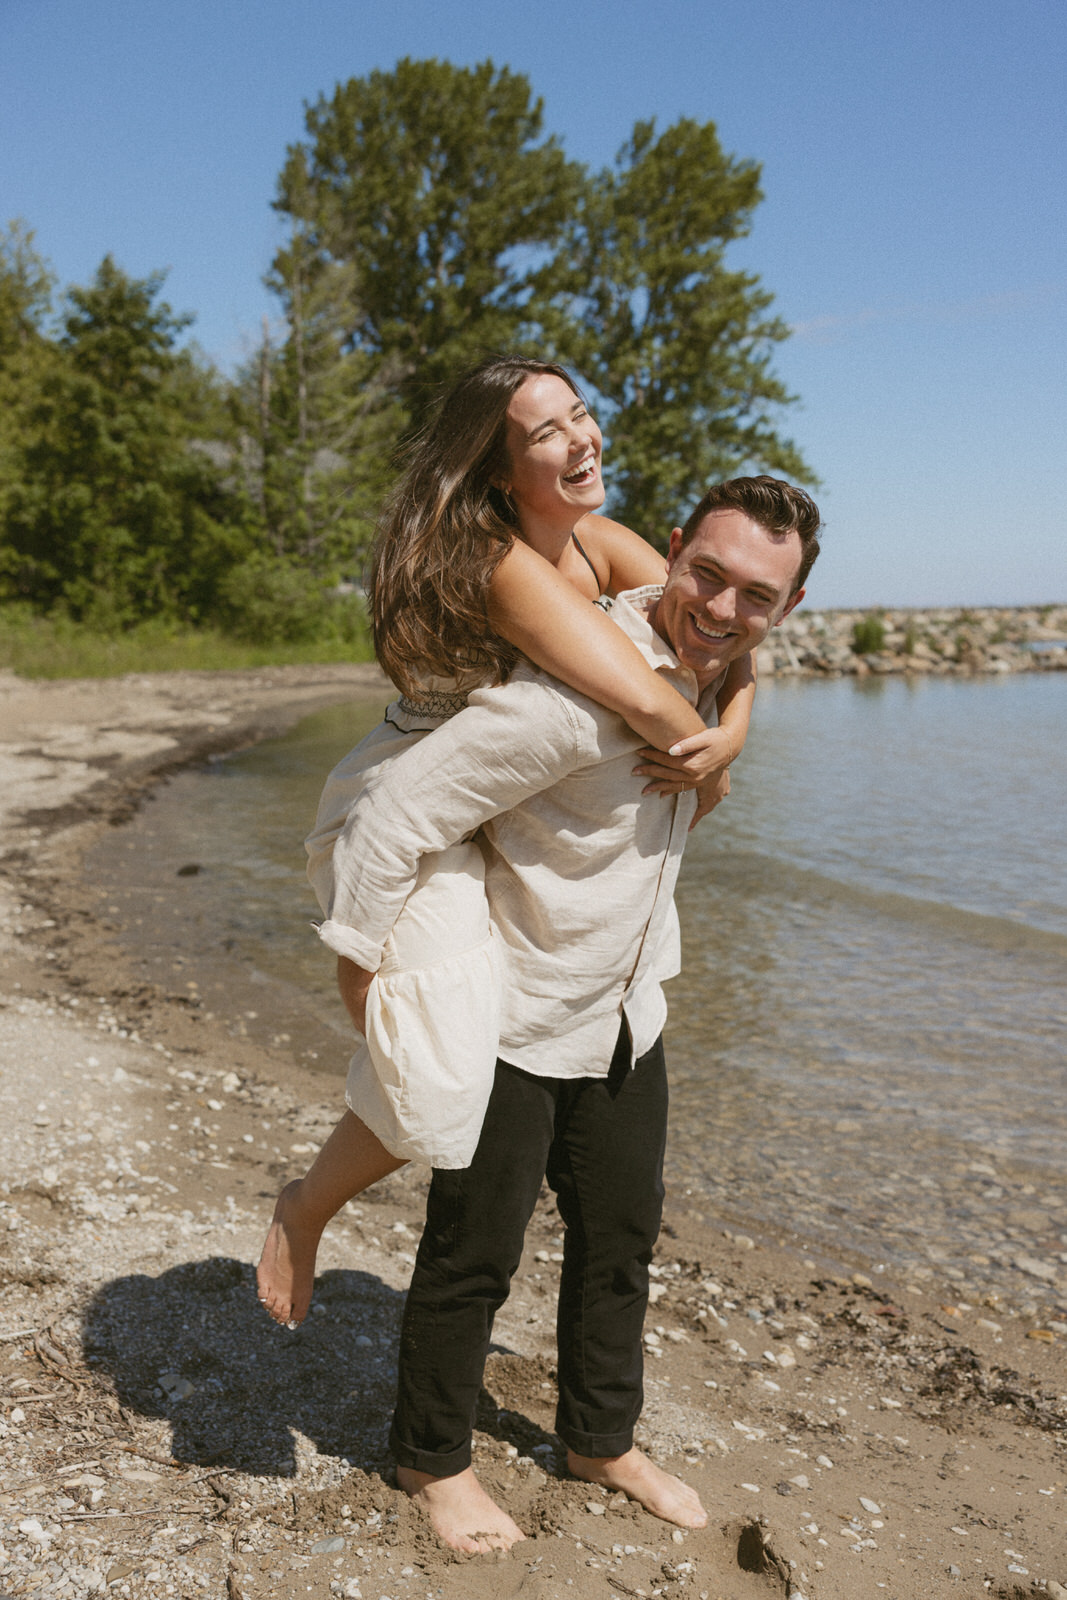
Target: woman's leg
350	1161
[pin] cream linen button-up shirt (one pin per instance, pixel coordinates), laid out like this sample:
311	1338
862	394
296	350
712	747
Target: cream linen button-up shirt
580	866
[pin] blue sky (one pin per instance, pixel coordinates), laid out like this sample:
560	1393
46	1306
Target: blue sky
914	159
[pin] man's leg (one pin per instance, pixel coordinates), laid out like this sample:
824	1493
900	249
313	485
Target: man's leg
475	1224
606	1166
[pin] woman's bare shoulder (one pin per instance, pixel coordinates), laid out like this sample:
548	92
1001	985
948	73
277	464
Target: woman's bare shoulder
622	558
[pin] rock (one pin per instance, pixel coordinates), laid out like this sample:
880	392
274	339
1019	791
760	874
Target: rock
870	1506
786	1358
328	1547
176	1388
801	1481
1036	1269
823	1461
595	1508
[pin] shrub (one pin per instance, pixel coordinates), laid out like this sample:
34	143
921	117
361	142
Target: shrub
868	635
269	601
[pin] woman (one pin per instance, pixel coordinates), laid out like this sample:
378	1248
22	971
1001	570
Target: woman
477	559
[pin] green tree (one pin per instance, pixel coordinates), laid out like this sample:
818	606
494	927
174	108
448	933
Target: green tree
677	345
117	512
432	183
323	411
26	285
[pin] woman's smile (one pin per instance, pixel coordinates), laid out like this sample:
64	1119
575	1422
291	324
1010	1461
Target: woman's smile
553	446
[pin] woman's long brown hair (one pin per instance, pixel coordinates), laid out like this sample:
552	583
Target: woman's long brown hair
443	531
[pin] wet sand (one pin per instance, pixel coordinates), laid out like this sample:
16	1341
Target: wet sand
849	1435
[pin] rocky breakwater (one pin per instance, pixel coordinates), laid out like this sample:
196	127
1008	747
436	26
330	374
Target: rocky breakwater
991	639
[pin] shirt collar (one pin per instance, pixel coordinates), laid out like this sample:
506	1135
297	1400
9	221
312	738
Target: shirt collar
631	610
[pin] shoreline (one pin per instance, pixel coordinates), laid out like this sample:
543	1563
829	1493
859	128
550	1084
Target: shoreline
142	1144
917	641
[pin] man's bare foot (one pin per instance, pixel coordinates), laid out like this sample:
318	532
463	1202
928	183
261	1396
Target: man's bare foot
658	1491
460	1511
286	1271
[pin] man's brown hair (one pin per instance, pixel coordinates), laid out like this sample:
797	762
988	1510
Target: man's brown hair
777	506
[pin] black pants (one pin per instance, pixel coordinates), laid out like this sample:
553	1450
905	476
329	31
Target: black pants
600	1142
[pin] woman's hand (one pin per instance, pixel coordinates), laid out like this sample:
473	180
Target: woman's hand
687	764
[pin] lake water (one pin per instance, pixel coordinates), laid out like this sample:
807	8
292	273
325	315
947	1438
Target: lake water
867	1042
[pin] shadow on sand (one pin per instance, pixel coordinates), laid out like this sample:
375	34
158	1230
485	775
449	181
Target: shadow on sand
194	1346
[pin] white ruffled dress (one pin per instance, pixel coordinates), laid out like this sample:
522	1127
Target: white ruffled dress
421	1079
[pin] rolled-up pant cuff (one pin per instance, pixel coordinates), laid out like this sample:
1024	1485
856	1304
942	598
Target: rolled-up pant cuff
598	1446
439	1464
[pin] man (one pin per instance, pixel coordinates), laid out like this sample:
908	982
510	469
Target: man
580	872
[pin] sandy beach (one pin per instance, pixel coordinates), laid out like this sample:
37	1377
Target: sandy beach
851	1435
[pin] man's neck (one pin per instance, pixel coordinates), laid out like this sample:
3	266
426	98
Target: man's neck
704	679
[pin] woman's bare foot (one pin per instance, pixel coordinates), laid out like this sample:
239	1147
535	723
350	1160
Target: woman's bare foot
286	1272
658	1491
460	1511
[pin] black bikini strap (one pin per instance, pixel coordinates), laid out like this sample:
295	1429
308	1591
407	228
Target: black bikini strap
585	558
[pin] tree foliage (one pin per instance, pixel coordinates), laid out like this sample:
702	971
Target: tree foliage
115	514
434	184
321	410
677	346
26	286
430	219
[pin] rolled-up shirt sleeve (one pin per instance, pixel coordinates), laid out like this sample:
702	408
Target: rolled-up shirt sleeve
510	742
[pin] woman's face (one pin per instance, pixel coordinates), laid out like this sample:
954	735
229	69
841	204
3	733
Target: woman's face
553	450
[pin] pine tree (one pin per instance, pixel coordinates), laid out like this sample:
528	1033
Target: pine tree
26	285
325	416
116	512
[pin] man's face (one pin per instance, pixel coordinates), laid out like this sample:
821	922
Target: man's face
725	591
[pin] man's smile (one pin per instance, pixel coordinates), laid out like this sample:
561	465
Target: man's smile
708	631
